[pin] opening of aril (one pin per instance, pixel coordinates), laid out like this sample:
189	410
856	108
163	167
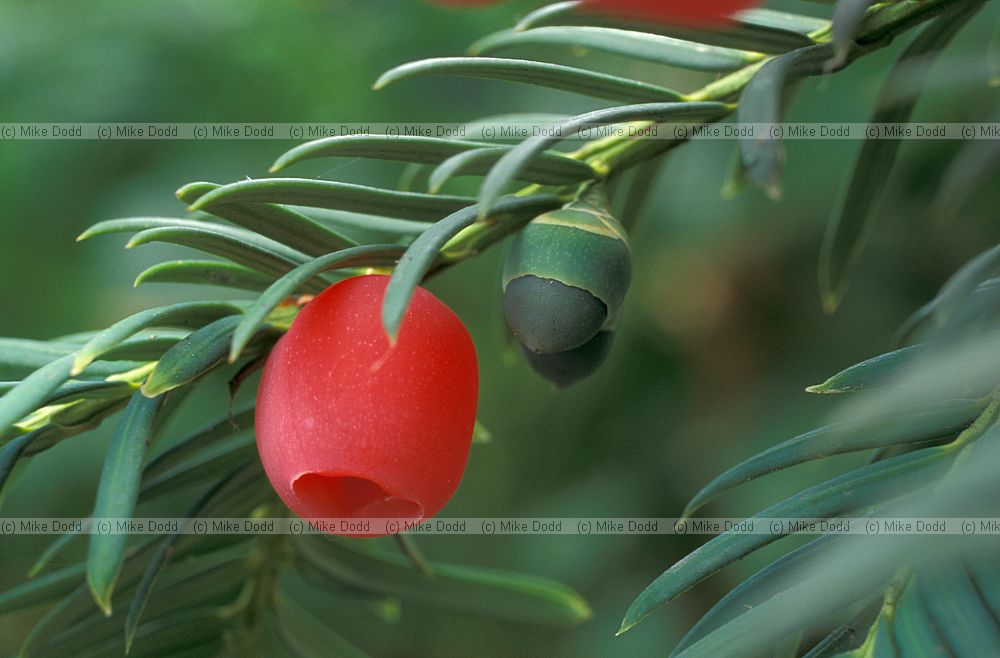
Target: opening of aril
348	497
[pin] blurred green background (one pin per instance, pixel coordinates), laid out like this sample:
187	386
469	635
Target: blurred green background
722	329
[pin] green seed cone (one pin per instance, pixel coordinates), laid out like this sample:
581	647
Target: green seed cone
566	368
547	315
565	274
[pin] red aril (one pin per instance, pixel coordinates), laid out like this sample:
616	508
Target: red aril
691	12
696	12
351	427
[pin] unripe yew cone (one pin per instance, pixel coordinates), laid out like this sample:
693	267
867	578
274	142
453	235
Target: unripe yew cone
565	368
566	274
351	427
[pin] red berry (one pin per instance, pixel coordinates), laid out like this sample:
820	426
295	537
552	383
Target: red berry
351	427
690	12
698	12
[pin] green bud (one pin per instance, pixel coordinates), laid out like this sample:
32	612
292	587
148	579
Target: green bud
566	273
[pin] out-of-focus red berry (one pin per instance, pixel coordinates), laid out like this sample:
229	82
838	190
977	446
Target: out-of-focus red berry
696	12
691	12
351	427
